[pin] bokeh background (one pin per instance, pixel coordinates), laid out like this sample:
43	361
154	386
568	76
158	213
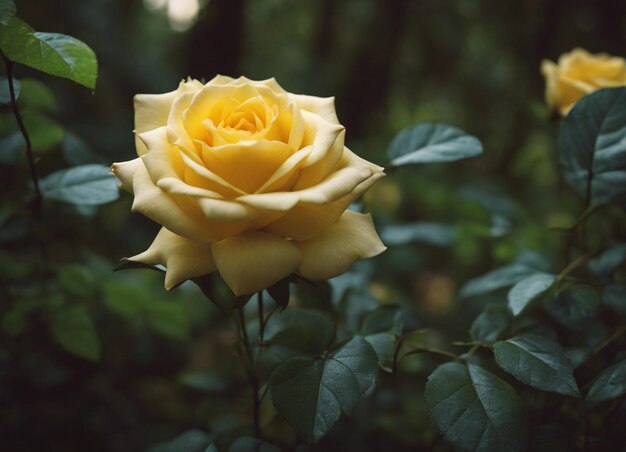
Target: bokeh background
165	361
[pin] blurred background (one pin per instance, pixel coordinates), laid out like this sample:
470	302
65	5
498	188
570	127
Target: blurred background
158	363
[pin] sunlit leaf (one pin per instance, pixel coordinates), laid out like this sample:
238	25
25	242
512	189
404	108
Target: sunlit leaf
86	184
475	409
52	53
432	143
539	362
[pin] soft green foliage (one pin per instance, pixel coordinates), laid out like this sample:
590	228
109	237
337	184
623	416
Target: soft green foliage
89	184
432	143
494	321
475	409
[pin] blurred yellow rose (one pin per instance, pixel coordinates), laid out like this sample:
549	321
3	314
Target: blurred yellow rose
249	180
578	74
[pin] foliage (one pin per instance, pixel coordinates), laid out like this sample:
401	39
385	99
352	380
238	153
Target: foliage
495	321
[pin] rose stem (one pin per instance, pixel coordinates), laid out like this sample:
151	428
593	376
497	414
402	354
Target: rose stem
254	381
29	152
18	117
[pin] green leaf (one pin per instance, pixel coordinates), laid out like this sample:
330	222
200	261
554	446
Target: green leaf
525	265
76	280
12	148
194	440
5	92
74	330
491	324
431	233
169	319
76	151
475	410
52	53
432	143
591	142
124	299
538	362
310	394
86	184
280	293
380	329
45	133
574	307
307	331
611	383
528	290
609	260
249	444
614	296
7	12
37	97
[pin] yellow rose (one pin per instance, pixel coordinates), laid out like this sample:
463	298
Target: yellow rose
578	74
249	180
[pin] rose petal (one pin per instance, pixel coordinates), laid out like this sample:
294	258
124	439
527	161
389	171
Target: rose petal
337	247
305	221
125	172
157	205
321	106
247	164
152	110
161	158
254	261
183	258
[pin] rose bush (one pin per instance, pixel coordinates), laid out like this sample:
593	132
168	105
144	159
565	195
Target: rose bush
249	180
579	73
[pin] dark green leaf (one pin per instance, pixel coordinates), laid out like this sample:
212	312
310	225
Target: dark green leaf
52	53
528	290
385	319
190	441
475	410
539	362
74	330
45	133
490	325
76	280
307	331
249	444
310	394
5	92
125	299
77	152
12	148
384	346
37	97
86	184
592	150
574	307
168	318
280	293
432	233
610	384
609	260
7	12
525	265
614	296
204	380
432	143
